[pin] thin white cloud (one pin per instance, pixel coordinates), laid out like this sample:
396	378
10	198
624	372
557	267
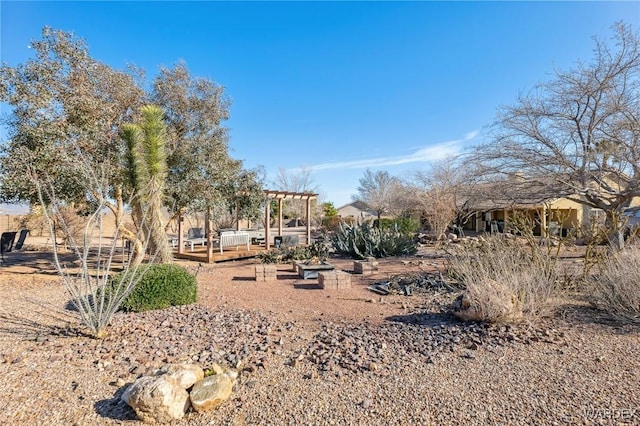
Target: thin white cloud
433	152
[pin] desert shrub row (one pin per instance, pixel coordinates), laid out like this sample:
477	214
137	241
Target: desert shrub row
527	274
615	286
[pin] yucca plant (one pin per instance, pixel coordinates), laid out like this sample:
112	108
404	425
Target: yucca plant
147	171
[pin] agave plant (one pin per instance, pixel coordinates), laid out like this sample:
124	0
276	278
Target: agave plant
365	240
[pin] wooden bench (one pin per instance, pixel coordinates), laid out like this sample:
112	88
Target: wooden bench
235	239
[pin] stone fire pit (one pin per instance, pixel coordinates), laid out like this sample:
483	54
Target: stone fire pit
310	270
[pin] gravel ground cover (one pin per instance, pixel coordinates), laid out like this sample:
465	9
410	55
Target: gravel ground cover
312	357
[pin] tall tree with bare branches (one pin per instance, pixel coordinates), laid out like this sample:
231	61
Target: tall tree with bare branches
443	193
299	180
379	190
578	133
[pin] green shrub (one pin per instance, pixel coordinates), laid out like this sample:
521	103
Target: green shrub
161	286
364	241
275	255
403	225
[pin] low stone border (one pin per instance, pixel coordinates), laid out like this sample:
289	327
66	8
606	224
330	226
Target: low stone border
334	280
363	267
266	273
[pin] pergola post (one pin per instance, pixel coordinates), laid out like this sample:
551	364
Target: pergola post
308	221
267	224
207	230
506	220
180	237
237	215
280	217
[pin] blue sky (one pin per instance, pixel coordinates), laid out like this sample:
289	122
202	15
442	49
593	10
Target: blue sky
338	86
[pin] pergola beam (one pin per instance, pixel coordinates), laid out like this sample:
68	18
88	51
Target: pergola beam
286	195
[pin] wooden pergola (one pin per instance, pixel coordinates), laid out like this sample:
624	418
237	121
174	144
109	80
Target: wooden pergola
271	195
286	195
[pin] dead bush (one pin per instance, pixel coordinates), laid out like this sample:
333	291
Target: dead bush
488	301
616	285
504	278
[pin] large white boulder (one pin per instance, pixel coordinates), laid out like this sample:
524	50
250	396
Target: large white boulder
158	399
185	374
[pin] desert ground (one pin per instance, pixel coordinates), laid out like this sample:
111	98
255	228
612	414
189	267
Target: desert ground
309	356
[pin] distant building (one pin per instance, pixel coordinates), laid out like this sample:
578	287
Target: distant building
357	211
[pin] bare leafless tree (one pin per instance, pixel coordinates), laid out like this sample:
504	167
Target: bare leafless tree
380	191
444	193
299	180
579	133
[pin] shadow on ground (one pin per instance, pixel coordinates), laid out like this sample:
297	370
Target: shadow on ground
293	276
427	319
32	329
114	408
307	286
26	263
580	311
243	279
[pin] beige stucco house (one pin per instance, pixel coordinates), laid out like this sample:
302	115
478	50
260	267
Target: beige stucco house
499	206
357	211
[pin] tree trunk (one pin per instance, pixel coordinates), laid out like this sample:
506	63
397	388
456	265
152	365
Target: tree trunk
152	223
615	234
137	246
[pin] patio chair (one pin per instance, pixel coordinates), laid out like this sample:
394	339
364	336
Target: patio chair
195	236
6	242
21	238
194	233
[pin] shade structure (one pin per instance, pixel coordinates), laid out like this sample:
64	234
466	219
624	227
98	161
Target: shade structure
286	195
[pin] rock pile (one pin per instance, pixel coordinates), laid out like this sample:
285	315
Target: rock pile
191	333
417	340
414	283
168	394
